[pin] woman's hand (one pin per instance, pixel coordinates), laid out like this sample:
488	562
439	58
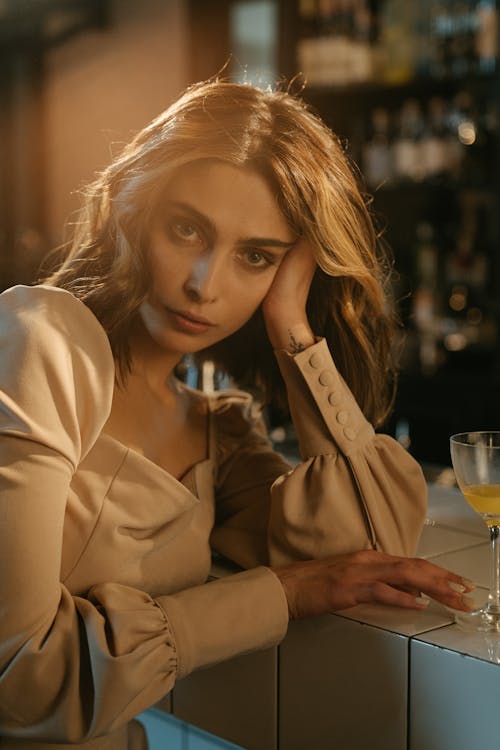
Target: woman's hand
317	587
284	306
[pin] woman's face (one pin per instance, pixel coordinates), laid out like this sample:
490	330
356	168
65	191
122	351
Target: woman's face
215	246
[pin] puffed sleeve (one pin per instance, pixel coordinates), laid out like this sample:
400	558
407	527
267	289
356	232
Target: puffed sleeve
69	667
74	667
353	489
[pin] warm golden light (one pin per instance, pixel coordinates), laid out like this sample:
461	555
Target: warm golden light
467	133
455	342
458	298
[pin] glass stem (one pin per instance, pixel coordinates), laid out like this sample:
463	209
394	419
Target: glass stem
494	596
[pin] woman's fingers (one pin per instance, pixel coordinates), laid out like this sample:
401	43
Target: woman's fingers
290	287
285	304
383	593
413	575
315	587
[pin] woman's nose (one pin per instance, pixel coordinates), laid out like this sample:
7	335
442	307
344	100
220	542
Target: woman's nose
202	284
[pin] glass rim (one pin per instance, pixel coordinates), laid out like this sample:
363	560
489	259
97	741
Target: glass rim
456	437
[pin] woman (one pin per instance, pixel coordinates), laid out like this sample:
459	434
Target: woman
229	227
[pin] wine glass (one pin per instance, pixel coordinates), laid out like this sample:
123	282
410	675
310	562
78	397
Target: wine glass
476	462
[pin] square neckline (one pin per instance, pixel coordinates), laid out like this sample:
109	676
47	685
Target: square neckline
209	443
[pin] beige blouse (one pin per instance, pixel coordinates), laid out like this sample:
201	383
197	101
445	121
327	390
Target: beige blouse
104	555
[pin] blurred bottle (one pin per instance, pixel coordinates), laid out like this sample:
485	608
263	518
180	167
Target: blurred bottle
440	26
317	56
406	146
433	146
340	51
309	47
486	41
361	53
468	326
377	155
462	37
426	307
337	40
424	40
397	48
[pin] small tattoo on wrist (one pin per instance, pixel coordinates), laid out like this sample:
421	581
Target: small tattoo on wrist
295	346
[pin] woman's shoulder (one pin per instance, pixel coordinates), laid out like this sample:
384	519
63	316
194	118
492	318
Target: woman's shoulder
239	428
233	412
238	422
45	313
56	369
49	304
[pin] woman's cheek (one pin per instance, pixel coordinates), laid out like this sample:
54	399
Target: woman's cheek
261	286
259	291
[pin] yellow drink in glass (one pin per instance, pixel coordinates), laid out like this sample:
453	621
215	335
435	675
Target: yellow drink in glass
485	499
476	462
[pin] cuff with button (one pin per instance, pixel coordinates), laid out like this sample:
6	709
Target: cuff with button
337	406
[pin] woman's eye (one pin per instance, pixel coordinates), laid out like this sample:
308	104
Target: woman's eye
184	230
256	259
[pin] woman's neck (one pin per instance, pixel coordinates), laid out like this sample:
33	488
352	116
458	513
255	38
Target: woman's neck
152	367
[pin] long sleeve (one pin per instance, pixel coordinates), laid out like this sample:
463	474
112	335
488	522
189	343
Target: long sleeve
76	667
70	667
354	489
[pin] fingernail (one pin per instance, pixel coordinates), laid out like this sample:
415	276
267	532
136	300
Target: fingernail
468	601
422	601
468	584
457	587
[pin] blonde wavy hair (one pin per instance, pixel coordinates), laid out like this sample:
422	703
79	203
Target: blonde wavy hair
105	263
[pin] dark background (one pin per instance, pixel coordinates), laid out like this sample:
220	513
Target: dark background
77	78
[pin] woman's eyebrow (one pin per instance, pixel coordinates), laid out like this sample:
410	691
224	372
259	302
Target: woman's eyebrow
267	242
201	218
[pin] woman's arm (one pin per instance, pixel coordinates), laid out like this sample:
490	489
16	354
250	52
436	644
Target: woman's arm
345	495
315	511
353	489
363	475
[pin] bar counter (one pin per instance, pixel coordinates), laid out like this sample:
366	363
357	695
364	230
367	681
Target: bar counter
371	676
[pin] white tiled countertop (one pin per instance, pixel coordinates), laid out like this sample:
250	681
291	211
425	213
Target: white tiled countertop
453	688
399	679
454	684
369	677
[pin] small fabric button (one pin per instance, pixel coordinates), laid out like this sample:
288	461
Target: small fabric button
315	360
333	398
326	377
342	417
349	433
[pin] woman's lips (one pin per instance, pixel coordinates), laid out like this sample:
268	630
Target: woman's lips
188	323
